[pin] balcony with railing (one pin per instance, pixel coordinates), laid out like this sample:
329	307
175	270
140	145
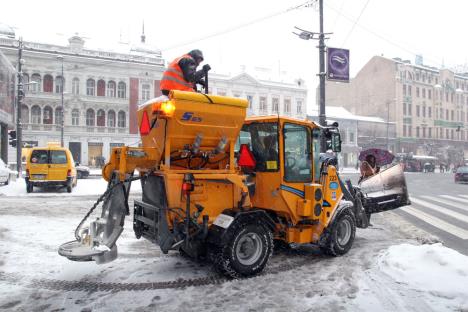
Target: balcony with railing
73	129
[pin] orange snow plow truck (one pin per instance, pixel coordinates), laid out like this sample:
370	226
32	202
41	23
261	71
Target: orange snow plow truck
220	187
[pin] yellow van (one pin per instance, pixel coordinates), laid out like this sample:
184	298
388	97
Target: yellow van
50	166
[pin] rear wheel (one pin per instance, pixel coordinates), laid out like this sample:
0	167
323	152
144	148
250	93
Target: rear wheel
340	236
247	252
7	181
69	188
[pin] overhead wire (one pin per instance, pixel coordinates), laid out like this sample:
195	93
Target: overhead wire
237	27
383	38
355	22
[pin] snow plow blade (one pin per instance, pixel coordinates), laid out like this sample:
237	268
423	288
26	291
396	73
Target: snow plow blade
385	191
98	241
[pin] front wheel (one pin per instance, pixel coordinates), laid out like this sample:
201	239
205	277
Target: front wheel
29	187
340	235
247	252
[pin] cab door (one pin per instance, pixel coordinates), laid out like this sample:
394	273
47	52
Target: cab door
39	164
297	169
58	165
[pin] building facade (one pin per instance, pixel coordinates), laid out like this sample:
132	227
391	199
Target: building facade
429	106
358	133
7	87
102	90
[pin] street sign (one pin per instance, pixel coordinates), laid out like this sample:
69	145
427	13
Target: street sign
338	64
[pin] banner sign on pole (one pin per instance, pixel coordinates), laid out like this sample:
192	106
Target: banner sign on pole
338	64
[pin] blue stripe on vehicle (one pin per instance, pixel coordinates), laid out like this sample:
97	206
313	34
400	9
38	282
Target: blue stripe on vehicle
326	204
292	190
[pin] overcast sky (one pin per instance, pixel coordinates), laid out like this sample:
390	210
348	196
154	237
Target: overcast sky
256	33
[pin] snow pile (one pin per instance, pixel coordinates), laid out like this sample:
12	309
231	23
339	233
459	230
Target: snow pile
440	272
84	187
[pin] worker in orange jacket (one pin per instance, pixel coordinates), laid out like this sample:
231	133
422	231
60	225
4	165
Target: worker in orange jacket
182	74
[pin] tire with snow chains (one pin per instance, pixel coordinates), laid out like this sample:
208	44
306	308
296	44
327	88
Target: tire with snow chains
247	251
340	235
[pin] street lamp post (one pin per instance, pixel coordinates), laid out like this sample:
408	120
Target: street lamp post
19	101
60	57
306	35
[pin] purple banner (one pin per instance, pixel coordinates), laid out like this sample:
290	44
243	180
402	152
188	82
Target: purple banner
338	64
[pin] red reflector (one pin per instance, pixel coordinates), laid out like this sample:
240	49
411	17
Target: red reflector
187	187
246	158
69	173
145	124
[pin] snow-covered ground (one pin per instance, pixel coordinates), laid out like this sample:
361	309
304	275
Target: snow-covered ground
90	186
392	266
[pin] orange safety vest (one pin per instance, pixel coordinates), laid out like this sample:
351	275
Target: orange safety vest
173	78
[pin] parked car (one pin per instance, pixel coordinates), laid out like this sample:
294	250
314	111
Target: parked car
4	173
461	175
50	166
82	172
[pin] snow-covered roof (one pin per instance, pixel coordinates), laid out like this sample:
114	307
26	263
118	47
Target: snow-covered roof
340	112
6	30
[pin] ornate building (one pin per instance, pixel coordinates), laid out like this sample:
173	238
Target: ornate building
103	88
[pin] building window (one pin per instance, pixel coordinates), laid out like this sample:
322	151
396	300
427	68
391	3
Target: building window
424	93
417	132
36	115
404	90
351	137
75	117
121	91
101	118
111	119
111	89
58	116
287	106
429	94
409	109
299	107
447	134
441	133
59	84
430	132
145	92
250	100
447	114
424	132
90	87
76	86
404	108
48	83
25	82
452	114
24	114
263	105
451	134
101	88
121	119
424	111
90	117
47	117
417	110
275	105
404	130
417	91
429	112
409	91
410	131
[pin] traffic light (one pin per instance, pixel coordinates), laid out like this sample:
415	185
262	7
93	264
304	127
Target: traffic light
12	138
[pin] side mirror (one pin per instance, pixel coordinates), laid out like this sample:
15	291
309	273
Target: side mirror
336	142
